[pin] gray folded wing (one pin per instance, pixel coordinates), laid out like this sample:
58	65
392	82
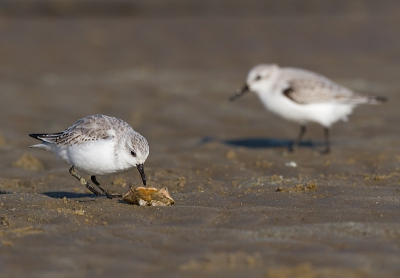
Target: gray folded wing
305	87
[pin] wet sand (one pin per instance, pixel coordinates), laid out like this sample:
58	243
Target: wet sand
240	209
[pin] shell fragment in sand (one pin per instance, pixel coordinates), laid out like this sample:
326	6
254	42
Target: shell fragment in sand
148	196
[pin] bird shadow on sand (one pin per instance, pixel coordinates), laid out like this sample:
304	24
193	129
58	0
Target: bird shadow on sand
68	195
259	143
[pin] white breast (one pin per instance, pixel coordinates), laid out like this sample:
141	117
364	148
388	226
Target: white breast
94	158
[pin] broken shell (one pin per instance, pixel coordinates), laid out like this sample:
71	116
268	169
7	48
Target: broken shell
148	196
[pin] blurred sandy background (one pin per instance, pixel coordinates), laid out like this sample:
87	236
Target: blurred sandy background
168	68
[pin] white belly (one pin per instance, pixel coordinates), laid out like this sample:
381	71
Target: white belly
324	114
93	158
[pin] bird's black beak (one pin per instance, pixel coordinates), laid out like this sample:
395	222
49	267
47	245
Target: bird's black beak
141	171
240	92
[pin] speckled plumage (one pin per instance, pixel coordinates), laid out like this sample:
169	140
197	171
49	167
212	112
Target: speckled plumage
306	87
90	128
98	145
303	96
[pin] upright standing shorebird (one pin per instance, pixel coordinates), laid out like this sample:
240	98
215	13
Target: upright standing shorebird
303	97
97	145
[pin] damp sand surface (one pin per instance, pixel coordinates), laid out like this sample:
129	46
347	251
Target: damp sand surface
243	205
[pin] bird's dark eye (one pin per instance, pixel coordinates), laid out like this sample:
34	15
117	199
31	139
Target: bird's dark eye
258	77
133	153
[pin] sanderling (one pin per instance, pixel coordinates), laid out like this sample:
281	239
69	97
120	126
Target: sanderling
97	145
303	96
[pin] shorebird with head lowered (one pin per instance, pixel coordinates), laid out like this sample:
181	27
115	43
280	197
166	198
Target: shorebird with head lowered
303	97
97	145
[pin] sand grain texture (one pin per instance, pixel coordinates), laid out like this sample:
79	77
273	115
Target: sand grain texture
170	77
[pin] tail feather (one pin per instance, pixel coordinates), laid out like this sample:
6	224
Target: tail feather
42	145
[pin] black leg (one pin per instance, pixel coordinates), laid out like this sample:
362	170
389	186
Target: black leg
109	195
93	178
327	143
299	138
83	181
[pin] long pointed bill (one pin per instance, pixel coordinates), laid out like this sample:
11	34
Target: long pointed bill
141	171
240	92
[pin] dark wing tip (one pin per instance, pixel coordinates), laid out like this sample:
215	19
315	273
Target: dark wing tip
39	136
47	137
381	99
377	100
34	135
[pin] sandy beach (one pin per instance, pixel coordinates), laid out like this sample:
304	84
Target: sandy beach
241	208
